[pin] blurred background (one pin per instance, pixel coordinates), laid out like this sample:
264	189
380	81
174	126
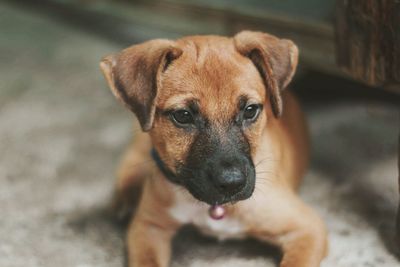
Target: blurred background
62	132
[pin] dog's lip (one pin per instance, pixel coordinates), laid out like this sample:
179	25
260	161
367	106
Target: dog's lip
245	193
233	199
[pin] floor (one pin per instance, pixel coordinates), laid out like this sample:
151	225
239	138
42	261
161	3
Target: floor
61	134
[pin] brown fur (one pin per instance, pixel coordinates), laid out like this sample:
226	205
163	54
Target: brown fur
216	71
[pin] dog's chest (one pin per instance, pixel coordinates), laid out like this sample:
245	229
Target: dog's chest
197	214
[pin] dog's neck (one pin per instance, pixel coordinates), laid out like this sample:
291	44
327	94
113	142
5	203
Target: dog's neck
163	167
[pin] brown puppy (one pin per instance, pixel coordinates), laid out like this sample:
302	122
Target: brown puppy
211	110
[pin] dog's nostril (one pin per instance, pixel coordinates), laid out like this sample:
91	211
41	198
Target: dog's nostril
230	180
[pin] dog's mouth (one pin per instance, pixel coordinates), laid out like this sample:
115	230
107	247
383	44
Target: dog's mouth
213	197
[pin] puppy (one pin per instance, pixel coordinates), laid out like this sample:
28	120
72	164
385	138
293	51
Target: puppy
217	149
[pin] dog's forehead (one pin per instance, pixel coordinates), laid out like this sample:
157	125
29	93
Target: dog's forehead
211	71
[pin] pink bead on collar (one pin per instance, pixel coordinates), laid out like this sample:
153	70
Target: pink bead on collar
217	212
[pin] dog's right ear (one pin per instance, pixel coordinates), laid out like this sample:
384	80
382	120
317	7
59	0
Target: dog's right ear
133	76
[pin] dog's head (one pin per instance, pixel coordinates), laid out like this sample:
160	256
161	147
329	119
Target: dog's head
205	101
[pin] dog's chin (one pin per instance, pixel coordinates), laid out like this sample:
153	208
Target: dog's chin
213	197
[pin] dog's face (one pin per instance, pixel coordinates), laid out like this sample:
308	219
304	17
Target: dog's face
205	101
208	120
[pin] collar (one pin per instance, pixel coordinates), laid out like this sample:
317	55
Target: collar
163	168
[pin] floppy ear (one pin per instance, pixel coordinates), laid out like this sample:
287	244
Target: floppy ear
275	59
134	76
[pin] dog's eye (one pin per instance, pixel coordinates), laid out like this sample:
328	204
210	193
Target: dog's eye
251	112
182	117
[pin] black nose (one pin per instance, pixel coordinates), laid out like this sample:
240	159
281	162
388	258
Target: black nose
230	180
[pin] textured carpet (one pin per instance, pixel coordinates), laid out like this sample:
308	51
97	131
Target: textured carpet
61	134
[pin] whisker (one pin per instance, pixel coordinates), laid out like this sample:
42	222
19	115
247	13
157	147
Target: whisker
261	172
264	159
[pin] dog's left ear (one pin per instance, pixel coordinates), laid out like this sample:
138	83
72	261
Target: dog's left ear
275	59
134	76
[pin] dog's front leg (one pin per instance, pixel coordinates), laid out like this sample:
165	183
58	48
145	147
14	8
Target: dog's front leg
149	244
303	247
285	220
303	238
